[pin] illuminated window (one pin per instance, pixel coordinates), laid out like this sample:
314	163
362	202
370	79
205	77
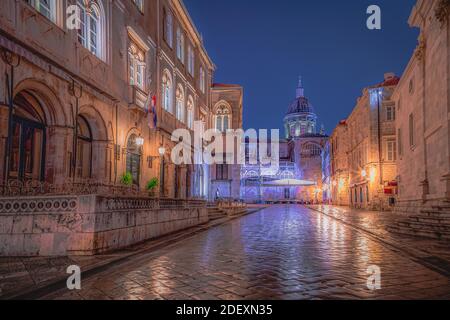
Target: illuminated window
390	113
180	45
180	103
223	118
166	91
191	62
46	7
90	35
391	150
136	66
190	113
168	28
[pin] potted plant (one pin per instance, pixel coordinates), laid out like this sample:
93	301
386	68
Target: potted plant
127	179
151	186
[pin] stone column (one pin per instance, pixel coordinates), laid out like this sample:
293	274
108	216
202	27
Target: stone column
99	160
59	149
3	136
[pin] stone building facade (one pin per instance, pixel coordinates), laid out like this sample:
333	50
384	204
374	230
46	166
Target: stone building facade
227	100
339	170
368	137
92	105
299	176
108	82
423	105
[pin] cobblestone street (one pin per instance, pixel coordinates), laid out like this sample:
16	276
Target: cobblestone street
282	252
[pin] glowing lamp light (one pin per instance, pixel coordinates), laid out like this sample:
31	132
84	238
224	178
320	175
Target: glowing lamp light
373	174
139	141
363	173
162	151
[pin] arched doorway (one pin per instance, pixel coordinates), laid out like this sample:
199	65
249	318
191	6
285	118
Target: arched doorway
28	140
84	149
134	159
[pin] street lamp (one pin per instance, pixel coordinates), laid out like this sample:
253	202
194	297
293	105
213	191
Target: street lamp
364	173
139	141
162	152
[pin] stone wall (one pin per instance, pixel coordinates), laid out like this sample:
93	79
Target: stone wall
88	225
423	104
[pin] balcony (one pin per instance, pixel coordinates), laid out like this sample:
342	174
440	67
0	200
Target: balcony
139	99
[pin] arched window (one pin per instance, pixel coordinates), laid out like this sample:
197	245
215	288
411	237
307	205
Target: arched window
167	91
311	150
180	45
137	66
168	28
134	159
223	118
180	103
84	149
190	112
27	153
45	7
91	32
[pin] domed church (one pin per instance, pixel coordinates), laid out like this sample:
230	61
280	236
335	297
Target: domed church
299	178
300	118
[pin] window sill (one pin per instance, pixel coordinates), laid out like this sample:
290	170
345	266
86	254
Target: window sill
33	12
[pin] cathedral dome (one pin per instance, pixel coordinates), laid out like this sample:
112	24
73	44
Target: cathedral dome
300	105
300	119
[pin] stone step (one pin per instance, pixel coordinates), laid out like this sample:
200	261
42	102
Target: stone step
217	217
420	233
436	213
431	219
441	207
424	226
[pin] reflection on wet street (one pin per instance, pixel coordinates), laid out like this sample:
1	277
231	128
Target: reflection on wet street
282	252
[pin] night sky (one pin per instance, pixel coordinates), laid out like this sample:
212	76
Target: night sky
264	46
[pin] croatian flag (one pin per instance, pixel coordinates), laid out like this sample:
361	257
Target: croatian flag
152	108
155	116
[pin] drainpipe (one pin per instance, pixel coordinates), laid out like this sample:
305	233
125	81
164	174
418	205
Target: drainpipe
77	94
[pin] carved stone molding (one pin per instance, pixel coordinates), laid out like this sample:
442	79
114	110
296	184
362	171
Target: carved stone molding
421	48
442	12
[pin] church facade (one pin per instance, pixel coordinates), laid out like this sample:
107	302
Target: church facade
299	176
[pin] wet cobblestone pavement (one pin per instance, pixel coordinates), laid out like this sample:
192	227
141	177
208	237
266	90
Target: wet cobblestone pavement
282	252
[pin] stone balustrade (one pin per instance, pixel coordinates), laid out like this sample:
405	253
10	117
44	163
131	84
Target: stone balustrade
59	225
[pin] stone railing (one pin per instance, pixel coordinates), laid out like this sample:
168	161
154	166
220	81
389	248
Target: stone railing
60	225
38	204
145	203
14	188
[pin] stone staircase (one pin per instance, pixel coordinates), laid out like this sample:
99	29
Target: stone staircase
432	223
215	213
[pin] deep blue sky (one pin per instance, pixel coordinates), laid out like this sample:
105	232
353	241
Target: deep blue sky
264	45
